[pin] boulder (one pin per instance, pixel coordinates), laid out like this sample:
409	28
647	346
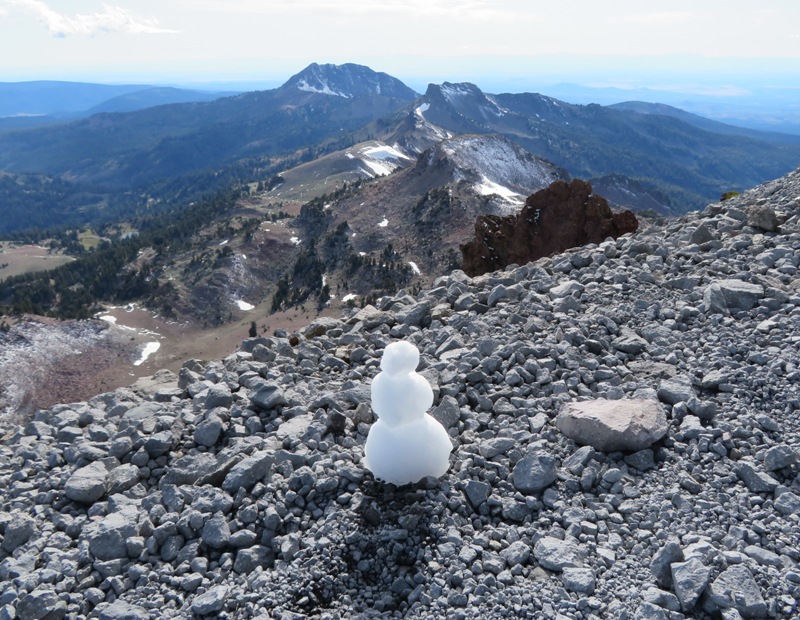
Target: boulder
556	554
611	425
211	601
562	216
107	539
689	579
725	296
534	472
248	471
763	217
735	588
87	484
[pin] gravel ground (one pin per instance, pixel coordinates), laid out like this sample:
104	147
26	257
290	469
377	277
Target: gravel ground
236	488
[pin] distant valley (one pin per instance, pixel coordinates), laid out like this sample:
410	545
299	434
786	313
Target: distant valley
340	185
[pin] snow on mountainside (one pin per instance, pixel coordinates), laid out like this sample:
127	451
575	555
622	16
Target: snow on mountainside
347	81
501	167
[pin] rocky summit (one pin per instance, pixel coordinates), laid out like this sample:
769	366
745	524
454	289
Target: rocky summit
236	489
554	219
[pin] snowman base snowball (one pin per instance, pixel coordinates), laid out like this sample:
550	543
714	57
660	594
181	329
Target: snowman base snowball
405	444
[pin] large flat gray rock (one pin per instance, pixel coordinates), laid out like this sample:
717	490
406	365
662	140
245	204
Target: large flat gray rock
611	425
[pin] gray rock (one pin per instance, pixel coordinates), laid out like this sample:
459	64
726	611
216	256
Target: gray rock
516	553
724	296
581	580
18	531
211	601
497	445
414	315
568	288
120	610
216	532
107	539
218	395
159	443
788	504
669	554
611	425
675	390
689	580
778	457
193	468
662	598
736	588
763	217
477	492
765	557
534	472
648	611
41	604
267	396
576	461
249	471
630	342
447	412
122	478
321	326
209	431
87	484
247	560
556	554
756	481
702	234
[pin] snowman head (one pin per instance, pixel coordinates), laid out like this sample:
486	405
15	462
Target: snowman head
400	358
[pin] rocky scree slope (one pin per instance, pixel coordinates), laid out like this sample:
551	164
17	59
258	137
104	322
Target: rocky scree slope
236	490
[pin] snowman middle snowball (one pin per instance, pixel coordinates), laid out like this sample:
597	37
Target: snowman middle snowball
405	444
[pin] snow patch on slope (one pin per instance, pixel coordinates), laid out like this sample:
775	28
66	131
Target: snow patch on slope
322	88
501	167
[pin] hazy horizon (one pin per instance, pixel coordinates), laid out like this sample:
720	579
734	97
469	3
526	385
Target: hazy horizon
725	54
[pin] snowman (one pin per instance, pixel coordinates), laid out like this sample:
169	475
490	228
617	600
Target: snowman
405	444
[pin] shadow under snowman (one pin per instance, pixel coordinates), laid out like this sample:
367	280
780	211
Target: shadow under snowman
406	444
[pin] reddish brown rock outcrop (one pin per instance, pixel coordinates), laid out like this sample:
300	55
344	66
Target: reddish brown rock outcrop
563	216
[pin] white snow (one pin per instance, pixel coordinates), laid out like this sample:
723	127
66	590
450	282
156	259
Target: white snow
488	187
108	319
383	223
149	349
414	267
379	168
384	151
405	444
422	109
362	253
322	89
452	91
348	297
224	242
243	305
295	240
350	156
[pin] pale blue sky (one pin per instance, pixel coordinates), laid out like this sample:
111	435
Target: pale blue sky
701	43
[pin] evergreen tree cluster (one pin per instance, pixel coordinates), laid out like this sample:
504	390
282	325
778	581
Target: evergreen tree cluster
73	290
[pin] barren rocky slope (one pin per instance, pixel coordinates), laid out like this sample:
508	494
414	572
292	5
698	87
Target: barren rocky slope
236	489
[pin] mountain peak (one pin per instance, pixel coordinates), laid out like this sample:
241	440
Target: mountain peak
347	81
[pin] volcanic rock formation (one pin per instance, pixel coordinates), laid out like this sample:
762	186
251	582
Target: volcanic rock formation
563	216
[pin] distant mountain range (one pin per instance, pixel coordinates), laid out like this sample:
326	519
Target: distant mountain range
60	100
643	155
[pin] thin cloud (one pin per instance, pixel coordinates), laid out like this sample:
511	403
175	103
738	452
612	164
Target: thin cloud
478	9
658	19
109	19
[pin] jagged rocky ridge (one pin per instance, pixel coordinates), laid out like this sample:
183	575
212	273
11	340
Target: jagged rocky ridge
235	490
